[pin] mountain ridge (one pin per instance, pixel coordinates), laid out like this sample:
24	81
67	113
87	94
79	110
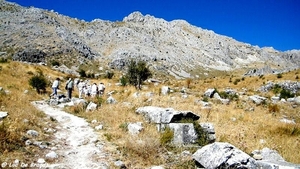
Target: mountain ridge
176	48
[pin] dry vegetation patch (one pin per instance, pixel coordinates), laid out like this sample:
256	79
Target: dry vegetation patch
236	123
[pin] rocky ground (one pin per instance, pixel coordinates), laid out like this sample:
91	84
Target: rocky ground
75	143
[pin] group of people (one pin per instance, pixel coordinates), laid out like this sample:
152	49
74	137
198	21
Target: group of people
83	88
90	90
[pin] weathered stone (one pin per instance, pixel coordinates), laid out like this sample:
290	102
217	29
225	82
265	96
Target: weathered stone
257	99
270	159
32	133
3	115
99	127
297	100
111	100
91	106
223	155
165	115
209	93
135	128
184	133
165	90
51	155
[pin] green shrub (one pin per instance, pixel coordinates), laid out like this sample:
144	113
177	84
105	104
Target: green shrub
109	75
38	82
276	89
279	75
82	73
55	63
202	135
137	72
167	136
286	94
3	60
123	80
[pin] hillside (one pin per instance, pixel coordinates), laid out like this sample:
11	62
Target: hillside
173	48
241	122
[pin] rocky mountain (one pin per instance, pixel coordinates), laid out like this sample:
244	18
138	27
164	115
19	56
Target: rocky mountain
176	47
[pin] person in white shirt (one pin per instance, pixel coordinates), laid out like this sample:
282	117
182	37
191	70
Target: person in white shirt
81	86
101	89
55	86
94	90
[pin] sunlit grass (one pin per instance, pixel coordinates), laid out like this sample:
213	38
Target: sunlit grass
248	129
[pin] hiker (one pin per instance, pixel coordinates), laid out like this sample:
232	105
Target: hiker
87	90
94	90
70	88
81	86
55	86
101	89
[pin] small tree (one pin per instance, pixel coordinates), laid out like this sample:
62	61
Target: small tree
137	72
38	82
82	73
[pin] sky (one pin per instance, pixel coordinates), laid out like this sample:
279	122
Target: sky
265	23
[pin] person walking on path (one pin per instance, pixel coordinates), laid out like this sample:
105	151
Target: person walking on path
70	88
101	89
81	86
94	90
55	86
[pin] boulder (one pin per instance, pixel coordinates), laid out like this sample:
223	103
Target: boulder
222	155
111	100
184	133
209	130
91	106
165	90
209	93
32	133
160	115
135	128
270	159
51	155
3	115
257	99
297	100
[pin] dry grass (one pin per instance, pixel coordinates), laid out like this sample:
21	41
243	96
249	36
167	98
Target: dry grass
247	130
22	115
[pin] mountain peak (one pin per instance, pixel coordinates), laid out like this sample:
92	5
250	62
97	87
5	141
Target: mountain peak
176	47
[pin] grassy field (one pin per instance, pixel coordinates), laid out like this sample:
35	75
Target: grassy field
247	130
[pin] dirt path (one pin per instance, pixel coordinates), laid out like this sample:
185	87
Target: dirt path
76	143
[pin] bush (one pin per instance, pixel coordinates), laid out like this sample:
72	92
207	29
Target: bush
3	60
123	80
167	136
55	63
82	73
276	89
137	72
109	74
38	82
279	75
286	94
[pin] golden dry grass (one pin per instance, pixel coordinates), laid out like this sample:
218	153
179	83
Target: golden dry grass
22	115
247	130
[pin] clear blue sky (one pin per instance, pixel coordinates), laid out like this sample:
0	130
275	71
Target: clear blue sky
266	23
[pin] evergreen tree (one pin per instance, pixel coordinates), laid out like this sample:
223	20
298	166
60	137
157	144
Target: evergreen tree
137	72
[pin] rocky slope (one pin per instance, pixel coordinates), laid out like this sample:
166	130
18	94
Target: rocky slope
176	47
